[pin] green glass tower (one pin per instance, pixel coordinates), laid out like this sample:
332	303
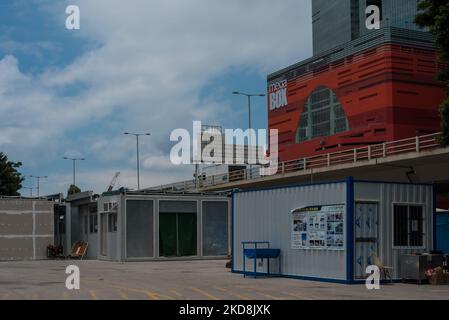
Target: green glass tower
337	22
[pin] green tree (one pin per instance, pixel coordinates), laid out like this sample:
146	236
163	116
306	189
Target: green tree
73	190
10	179
434	15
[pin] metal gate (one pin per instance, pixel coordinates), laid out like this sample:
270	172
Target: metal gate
366	224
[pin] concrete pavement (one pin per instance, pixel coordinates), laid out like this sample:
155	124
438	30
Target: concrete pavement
180	280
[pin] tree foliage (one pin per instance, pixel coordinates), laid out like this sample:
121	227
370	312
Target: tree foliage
73	190
434	15
10	178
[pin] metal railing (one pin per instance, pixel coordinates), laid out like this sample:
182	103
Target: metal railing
356	155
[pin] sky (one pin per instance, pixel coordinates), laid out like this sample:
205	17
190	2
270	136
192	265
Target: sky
137	66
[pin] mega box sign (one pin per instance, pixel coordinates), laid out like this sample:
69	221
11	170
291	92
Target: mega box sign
278	95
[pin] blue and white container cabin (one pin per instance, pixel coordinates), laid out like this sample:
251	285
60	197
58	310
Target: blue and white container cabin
331	231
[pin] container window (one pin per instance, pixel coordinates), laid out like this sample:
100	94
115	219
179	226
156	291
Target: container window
93	226
113	222
86	224
139	229
408	226
416	226
215	228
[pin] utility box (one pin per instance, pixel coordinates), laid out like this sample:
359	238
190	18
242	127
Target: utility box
331	231
413	267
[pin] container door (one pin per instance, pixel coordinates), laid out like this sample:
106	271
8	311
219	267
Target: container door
366	226
177	234
443	232
168	235
187	234
104	234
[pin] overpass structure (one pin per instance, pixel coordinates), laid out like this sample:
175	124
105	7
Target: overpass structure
414	160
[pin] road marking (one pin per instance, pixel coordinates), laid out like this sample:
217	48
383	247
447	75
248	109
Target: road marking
266	295
232	293
204	293
65	295
241	286
93	295
298	296
269	296
151	295
123	295
35	296
5	296
166	297
176	293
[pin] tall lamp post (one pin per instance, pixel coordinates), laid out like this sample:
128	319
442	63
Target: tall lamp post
137	135
249	96
38	178
74	160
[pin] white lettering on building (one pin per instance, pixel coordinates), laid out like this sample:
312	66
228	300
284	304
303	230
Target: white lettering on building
278	95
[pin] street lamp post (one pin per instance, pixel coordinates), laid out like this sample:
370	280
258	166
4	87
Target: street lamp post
31	190
249	96
138	135
74	160
38	178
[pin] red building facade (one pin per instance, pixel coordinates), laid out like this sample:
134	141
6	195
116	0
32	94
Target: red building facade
385	91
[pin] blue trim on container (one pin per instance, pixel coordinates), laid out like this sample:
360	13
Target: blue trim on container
434	217
317	279
305	278
287	186
381	281
350	230
392	182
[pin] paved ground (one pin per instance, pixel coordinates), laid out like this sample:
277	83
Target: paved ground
208	280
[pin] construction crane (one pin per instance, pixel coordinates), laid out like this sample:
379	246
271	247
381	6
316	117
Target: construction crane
113	182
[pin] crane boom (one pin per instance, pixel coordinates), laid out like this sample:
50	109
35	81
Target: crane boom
113	182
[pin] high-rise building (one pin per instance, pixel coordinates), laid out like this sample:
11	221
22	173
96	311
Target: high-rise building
336	22
362	86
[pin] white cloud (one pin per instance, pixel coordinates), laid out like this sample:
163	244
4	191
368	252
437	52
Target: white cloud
145	72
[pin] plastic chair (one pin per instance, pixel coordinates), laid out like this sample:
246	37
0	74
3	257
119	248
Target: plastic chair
386	271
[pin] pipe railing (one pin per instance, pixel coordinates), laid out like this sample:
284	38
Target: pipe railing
356	155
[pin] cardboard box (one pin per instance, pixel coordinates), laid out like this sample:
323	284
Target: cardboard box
439	278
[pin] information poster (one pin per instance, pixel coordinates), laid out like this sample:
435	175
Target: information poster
318	227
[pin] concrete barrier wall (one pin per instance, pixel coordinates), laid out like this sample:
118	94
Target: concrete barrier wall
26	229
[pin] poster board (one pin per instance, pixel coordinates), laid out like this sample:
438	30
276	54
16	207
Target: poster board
318	227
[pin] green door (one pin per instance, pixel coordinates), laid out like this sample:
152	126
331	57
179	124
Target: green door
177	234
186	234
167	235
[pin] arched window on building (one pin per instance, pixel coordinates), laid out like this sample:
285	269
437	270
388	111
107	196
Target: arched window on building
323	116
